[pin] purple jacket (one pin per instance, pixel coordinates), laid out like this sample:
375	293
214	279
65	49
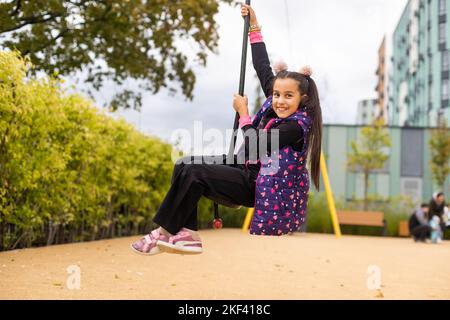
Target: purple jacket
281	192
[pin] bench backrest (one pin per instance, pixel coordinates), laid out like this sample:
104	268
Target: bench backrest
361	218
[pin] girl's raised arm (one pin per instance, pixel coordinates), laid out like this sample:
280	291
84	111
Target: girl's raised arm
261	61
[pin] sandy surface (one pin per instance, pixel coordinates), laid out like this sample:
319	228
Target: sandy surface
234	265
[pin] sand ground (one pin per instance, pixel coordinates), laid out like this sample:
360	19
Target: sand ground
234	266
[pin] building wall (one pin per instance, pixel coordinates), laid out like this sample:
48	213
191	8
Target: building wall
367	111
381	82
406	170
418	81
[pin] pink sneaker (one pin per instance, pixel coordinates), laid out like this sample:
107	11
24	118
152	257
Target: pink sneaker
147	245
183	242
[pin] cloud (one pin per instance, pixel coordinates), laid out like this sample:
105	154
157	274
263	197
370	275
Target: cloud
338	38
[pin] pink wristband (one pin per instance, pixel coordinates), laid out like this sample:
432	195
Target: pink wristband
255	37
244	121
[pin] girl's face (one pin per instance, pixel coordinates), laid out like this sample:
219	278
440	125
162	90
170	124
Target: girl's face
286	97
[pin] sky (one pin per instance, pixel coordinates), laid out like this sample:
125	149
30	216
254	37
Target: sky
339	39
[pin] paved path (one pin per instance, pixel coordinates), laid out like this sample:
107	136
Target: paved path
234	266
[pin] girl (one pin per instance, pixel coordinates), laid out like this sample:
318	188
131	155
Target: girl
291	115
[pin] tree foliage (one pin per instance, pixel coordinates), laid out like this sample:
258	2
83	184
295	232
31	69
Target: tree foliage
369	154
440	154
114	40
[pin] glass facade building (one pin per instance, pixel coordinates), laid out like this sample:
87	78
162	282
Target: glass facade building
419	79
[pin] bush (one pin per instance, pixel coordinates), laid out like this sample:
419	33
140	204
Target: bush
318	218
68	172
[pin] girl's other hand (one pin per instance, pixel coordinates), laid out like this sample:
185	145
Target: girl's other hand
245	9
240	104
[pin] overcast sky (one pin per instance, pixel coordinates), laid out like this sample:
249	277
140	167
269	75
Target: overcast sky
339	39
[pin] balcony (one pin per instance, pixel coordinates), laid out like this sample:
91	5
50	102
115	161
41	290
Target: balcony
442	18
445	74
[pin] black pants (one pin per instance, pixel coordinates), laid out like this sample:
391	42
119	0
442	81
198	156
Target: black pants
197	176
421	232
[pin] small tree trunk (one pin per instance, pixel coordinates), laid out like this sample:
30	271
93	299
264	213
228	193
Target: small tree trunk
94	233
19	240
366	190
51	233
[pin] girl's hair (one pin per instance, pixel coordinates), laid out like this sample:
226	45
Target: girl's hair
311	104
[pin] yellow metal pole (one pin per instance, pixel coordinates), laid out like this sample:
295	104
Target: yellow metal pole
329	193
248	219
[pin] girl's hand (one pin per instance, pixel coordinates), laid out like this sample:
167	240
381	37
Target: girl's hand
245	9
240	104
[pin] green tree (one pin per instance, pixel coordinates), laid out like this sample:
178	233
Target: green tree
440	153
114	40
369	154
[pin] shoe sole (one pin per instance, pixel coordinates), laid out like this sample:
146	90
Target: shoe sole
170	248
144	253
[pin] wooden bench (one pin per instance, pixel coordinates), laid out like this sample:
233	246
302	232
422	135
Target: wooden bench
363	218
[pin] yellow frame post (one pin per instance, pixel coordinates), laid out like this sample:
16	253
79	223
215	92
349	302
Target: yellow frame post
248	219
329	193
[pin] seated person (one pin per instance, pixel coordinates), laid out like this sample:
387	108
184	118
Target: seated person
437	208
418	224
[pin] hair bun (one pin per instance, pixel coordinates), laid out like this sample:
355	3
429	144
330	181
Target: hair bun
280	66
306	71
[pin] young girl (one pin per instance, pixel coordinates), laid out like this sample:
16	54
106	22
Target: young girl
292	115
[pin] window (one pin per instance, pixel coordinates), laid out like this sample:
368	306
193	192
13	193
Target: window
445	87
430	66
445	61
412	151
441	33
430	94
429	13
442	6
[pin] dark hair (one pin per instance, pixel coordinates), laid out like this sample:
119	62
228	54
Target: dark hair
424	205
311	104
440	194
